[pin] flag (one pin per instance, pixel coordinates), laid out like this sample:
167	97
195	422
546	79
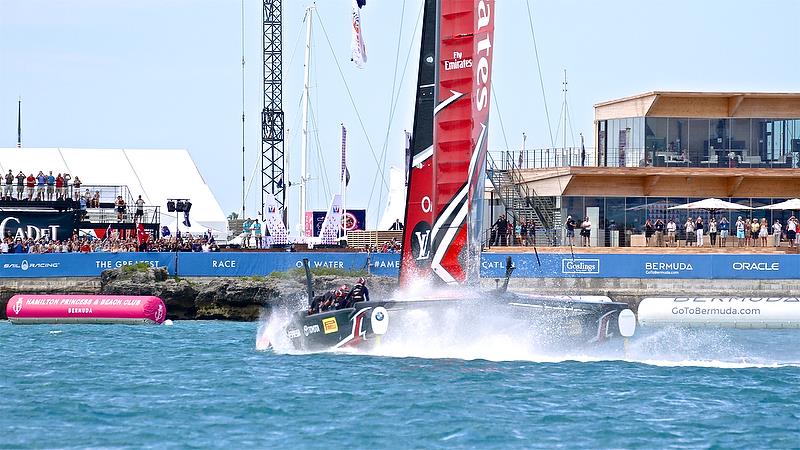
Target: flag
345	172
361	3
583	151
141	235
108	232
358	49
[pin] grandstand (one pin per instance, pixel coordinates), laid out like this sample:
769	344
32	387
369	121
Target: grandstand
156	175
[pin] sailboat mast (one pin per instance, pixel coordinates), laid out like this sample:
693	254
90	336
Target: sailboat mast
564	144
304	135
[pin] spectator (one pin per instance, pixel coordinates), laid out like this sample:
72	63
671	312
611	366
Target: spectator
763	231
8	188
740	231
396	226
66	194
41	181
246	232
76	186
777	229
586	231
21	184
659	228
690	234
139	214
570	226
648	232
30	182
257	233
60	187
120	207
501	226
51	183
724	229
671	229
712	231
698	229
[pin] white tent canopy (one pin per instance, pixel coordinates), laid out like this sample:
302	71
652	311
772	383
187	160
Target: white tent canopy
792	204
711	204
396	207
156	175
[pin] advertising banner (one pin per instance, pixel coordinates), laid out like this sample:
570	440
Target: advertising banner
493	265
24	224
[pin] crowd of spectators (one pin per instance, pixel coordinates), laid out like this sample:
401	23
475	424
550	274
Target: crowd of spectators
113	243
42	187
744	232
391	246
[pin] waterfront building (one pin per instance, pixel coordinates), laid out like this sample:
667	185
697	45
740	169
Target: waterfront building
661	149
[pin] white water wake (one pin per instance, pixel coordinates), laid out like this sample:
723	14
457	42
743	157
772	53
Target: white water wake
474	331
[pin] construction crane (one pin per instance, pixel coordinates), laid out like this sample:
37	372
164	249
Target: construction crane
272	122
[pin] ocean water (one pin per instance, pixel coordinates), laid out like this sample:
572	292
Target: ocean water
205	385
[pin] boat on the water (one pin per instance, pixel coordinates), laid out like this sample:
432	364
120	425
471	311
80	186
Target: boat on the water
444	204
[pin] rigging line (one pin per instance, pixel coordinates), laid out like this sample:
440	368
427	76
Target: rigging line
569	122
321	160
396	96
382	167
499	116
539	68
300	31
352	101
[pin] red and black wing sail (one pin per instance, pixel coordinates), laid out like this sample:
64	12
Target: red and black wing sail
441	239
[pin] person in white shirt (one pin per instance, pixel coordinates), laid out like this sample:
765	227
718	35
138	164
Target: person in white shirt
776	233
671	229
4	247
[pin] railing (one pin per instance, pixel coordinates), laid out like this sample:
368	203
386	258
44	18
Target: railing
547	157
640	157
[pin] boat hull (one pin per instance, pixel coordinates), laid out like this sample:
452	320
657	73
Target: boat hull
349	327
565	321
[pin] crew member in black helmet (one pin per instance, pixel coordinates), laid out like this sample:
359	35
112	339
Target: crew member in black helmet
359	293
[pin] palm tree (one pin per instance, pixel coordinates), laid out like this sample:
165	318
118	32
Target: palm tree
233	216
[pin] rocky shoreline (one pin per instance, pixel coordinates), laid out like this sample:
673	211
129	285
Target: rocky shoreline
238	299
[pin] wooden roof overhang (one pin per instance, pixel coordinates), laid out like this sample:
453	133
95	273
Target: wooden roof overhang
663	182
768	105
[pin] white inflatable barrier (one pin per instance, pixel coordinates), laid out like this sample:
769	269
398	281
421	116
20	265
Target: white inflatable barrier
721	312
63	308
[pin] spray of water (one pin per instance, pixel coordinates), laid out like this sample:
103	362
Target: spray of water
473	329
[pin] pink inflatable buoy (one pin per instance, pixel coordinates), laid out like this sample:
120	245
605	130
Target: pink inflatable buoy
59	308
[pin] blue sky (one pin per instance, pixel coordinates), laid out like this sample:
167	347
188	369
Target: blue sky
167	74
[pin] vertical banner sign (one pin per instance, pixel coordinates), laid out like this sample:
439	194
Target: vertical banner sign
357	47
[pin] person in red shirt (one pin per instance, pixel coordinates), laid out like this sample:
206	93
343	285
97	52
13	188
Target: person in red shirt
30	183
59	187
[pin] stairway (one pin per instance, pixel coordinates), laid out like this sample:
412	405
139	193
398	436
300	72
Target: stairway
522	201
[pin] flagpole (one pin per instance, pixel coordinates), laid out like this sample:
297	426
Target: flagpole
343	178
19	122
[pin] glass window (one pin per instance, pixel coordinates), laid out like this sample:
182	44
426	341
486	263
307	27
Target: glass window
677	140
635	212
698	144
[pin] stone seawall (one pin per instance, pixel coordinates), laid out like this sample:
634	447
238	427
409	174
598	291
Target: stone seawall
247	298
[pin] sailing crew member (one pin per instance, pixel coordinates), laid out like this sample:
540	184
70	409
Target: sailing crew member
359	293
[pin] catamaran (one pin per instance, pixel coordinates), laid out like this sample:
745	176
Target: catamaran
444	202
